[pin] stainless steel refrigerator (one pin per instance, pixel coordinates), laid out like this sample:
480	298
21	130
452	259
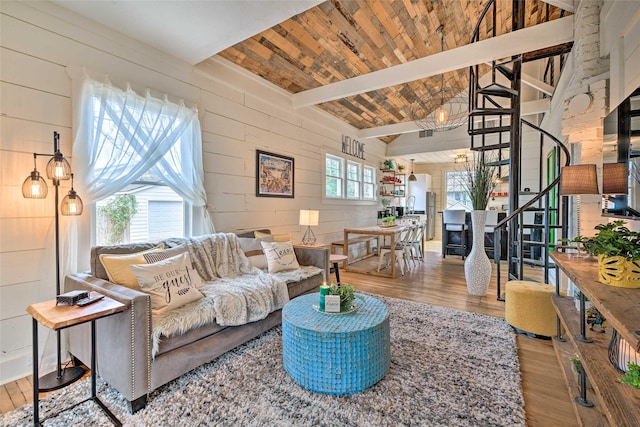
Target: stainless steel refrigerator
430	211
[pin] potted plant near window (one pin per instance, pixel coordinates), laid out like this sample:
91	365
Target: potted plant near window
478	182
618	252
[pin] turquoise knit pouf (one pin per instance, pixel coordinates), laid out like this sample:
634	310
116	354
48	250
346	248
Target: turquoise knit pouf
335	353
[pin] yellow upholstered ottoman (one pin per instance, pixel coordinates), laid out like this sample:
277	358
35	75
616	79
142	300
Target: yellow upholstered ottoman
528	307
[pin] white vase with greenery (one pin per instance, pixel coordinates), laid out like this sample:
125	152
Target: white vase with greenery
479	184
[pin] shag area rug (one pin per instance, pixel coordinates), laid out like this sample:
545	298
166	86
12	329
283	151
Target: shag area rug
448	368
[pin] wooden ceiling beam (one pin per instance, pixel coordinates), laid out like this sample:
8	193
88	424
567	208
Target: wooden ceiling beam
528	108
529	39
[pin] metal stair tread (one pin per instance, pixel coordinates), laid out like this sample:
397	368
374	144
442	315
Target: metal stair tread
496	89
499	162
491	112
494	129
491	147
532	261
506	71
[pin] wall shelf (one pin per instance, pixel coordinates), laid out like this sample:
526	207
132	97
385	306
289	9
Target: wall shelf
618	403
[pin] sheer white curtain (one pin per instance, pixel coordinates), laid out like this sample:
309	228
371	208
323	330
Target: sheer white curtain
122	135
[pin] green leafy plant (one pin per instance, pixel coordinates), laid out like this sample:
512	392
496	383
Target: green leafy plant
612	239
479	181
347	294
389	218
118	213
385	202
632	376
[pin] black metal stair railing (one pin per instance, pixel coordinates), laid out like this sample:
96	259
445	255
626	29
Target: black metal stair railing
495	126
515	221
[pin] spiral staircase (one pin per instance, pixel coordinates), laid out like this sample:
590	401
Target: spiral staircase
537	217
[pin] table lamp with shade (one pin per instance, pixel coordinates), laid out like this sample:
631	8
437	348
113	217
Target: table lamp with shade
614	181
309	218
576	180
35	187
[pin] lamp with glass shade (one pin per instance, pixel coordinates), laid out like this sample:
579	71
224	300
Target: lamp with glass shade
35	187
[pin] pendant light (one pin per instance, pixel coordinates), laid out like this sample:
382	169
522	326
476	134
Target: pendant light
412	177
443	114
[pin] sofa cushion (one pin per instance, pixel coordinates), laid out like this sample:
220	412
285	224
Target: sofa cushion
190	336
253	250
155	256
171	283
98	270
280	256
117	266
276	237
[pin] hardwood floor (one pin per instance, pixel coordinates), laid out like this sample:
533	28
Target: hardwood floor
440	282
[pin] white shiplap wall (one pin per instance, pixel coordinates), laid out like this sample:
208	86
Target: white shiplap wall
239	113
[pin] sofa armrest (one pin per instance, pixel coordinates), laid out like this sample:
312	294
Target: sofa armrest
313	255
123	340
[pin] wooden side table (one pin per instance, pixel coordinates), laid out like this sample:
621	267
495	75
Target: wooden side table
56	317
335	260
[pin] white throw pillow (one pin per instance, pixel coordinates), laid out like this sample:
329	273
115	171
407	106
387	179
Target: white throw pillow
280	256
253	250
171	283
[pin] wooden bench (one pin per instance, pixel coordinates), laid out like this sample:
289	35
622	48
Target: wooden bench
353	241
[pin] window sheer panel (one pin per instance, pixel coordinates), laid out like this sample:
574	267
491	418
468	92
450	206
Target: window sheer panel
122	135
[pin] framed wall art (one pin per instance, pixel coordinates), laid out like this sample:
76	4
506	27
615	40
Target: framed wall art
274	175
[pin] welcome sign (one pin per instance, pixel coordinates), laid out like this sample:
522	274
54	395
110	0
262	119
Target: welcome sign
352	147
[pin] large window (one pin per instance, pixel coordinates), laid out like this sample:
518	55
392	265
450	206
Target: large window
142	159
457	196
348	179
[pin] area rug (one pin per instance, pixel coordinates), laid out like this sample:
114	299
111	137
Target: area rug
448	368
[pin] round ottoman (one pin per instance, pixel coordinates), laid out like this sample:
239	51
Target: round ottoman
528	307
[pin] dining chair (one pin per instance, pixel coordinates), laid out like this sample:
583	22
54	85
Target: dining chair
400	253
416	242
454	220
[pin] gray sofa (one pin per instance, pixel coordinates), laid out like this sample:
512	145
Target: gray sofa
124	356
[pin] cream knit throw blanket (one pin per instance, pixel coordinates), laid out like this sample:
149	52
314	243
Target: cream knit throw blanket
235	292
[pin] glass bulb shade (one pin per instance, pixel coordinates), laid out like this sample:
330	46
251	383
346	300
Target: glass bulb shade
309	217
442	115
71	204
34	187
58	167
412	177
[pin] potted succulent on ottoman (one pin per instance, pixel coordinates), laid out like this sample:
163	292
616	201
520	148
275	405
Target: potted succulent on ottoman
618	252
347	294
479	183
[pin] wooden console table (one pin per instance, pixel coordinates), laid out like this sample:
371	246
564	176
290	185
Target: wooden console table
615	404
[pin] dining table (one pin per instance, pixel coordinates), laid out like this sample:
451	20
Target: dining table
392	232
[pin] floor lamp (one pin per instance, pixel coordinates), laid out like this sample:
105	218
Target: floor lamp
35	187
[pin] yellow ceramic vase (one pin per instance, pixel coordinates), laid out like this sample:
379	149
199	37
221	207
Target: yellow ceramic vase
617	271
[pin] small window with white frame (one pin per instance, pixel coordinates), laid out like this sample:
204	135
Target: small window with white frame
334	176
369	183
354	179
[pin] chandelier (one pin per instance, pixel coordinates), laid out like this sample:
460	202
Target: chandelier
437	115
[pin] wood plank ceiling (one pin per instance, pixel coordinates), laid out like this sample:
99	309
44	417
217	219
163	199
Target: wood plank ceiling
341	39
